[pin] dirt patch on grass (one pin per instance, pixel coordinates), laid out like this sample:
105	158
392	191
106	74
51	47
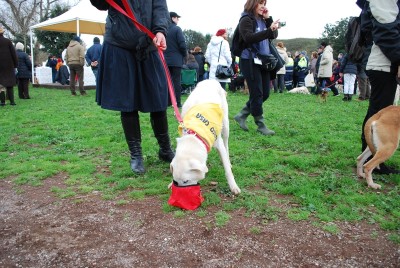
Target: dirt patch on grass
39	230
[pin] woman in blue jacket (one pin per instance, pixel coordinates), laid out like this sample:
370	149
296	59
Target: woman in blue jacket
24	71
131	77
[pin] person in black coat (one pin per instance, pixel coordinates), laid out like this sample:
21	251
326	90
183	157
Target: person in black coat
201	60
24	72
175	54
52	63
8	65
131	76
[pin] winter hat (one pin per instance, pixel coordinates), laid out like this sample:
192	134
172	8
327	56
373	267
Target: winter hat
19	46
220	32
96	40
174	15
76	38
304	53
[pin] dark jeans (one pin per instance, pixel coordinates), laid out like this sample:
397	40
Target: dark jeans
76	70
326	82
279	83
383	91
176	80
258	82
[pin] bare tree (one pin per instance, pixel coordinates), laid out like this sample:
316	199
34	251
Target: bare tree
17	16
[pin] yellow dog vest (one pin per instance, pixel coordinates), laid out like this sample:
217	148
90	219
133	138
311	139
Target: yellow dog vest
206	120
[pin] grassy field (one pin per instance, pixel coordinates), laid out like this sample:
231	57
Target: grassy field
309	164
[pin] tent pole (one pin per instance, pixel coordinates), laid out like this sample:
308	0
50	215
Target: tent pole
32	58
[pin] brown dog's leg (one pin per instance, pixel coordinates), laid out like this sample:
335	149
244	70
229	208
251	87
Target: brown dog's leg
381	156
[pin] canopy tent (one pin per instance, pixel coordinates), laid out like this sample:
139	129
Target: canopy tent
80	19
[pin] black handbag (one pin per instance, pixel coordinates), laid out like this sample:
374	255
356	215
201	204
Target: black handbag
223	71
268	62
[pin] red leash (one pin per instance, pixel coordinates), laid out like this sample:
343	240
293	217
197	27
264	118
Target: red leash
128	12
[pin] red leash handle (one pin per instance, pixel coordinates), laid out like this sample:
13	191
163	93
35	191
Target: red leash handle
128	12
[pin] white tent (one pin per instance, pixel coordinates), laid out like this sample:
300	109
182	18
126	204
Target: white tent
80	19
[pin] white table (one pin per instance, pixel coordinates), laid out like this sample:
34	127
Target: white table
44	76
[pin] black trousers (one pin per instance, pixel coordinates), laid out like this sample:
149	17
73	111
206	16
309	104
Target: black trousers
23	88
176	80
258	82
383	91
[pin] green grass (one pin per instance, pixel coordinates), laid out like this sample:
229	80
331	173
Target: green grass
305	172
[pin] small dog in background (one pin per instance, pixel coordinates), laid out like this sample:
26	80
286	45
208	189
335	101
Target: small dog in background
382	133
323	95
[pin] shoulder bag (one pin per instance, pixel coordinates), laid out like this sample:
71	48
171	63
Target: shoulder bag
223	71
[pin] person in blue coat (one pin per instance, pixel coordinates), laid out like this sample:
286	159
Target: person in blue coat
348	70
131	76
24	71
93	56
175	54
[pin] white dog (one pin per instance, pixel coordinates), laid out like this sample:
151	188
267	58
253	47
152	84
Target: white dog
300	90
205	118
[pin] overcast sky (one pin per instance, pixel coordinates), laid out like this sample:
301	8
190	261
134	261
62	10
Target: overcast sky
305	18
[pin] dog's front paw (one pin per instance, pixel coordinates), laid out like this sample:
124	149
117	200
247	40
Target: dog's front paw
374	186
361	175
235	190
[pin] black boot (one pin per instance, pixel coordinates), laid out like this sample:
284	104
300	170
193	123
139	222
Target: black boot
349	97
131	126
10	95
2	98
241	118
262	128
159	124
346	97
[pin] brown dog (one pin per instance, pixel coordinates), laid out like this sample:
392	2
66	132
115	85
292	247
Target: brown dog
382	133
323	96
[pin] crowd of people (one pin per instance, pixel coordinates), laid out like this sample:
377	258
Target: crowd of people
139	82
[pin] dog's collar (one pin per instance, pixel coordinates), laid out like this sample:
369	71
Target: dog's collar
192	132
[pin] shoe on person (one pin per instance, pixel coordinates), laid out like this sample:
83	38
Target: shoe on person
385	170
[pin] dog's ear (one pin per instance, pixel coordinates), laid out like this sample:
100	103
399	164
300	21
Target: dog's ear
196	165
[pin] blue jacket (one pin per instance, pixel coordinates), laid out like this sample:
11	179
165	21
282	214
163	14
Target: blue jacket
176	46
122	32
24	65
347	66
93	54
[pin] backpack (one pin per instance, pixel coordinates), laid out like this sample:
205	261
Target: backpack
353	42
238	44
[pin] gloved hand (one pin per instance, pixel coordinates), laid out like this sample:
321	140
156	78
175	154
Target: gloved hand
142	49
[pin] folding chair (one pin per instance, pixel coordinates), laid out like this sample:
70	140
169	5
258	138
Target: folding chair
188	80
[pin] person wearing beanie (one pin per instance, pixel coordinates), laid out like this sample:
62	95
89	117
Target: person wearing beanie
24	71
75	59
219	53
132	79
93	56
175	54
9	63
